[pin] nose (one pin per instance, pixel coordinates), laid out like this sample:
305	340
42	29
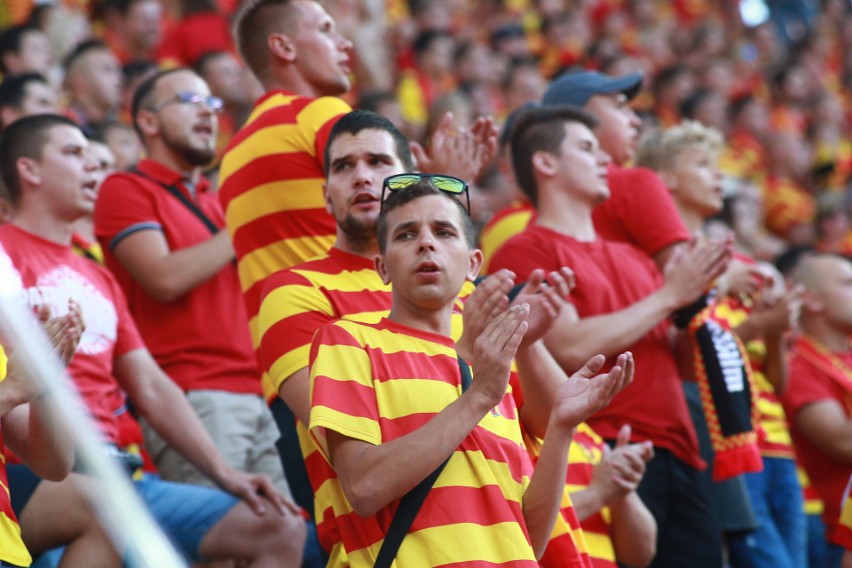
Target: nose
426	242
343	43
362	174
635	121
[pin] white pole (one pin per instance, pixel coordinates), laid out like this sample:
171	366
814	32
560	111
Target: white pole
115	501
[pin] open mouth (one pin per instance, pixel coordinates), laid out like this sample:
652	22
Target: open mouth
204	129
90	188
428	267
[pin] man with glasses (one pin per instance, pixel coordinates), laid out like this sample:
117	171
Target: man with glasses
161	233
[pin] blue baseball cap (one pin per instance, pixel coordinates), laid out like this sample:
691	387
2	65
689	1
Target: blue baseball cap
577	87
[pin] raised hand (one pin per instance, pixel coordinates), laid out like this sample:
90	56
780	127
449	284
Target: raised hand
692	269
487	301
493	352
583	393
65	331
628	461
458	151
546	298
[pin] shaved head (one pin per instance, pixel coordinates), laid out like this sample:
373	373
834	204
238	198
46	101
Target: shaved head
815	271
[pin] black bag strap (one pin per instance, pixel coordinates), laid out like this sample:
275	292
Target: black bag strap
179	195
412	501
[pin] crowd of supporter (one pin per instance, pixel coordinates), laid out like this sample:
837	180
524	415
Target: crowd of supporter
726	124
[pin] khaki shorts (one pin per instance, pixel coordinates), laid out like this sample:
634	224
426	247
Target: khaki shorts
243	430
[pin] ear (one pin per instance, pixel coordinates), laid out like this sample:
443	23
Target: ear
811	302
476	260
28	171
381	268
147	122
669	179
328	205
8	115
544	163
282	47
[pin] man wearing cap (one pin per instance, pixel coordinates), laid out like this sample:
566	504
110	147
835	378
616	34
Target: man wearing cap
640	210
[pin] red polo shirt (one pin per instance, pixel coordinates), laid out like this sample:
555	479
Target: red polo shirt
201	340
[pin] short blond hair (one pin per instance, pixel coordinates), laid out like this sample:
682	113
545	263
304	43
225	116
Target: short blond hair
660	150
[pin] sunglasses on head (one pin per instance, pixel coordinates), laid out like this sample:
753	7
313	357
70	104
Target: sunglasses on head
447	184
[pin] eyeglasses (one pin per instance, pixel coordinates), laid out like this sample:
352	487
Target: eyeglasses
447	184
185	97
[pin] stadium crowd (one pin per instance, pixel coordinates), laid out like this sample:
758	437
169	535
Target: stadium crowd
558	283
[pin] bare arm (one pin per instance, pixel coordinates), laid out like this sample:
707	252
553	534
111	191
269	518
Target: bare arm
825	425
373	476
38	439
578	398
295	391
165	274
164	405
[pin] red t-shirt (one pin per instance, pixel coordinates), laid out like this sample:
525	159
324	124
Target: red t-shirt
828	476
612	276
52	273
201	340
639	211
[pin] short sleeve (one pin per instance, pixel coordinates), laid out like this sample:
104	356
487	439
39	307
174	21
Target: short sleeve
807	386
291	311
641	211
123	207
319	116
522	254
343	396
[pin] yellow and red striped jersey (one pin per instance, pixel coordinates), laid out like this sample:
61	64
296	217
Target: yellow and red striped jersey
271	188
378	382
12	548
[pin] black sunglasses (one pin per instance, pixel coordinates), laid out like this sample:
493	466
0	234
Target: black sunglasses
447	184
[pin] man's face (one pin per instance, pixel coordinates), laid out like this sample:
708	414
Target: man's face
358	164
227	79
618	130
427	258
34	55
696	182
144	25
189	130
125	146
101	78
104	162
322	54
39	98
834	290
65	173
581	164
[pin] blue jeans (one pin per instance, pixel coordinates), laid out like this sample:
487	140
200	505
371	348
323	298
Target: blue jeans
780	539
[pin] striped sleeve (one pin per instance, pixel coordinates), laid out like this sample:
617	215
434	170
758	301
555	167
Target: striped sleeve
292	309
343	397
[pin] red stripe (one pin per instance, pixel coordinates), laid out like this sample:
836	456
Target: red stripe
359	400
285	113
279	225
561	552
270	168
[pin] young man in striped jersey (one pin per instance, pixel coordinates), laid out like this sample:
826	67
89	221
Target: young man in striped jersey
388	406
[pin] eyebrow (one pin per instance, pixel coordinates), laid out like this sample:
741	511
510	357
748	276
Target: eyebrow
442	223
348	157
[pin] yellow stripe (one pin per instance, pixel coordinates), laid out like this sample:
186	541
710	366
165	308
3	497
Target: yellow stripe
464	470
12	548
363	429
287	301
365	280
260	263
274	197
284	367
320	111
391	342
599	546
499	544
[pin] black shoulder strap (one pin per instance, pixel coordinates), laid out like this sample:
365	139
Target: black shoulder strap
412	501
179	195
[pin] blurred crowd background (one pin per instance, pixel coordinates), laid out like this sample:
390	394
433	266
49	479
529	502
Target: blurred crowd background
771	75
